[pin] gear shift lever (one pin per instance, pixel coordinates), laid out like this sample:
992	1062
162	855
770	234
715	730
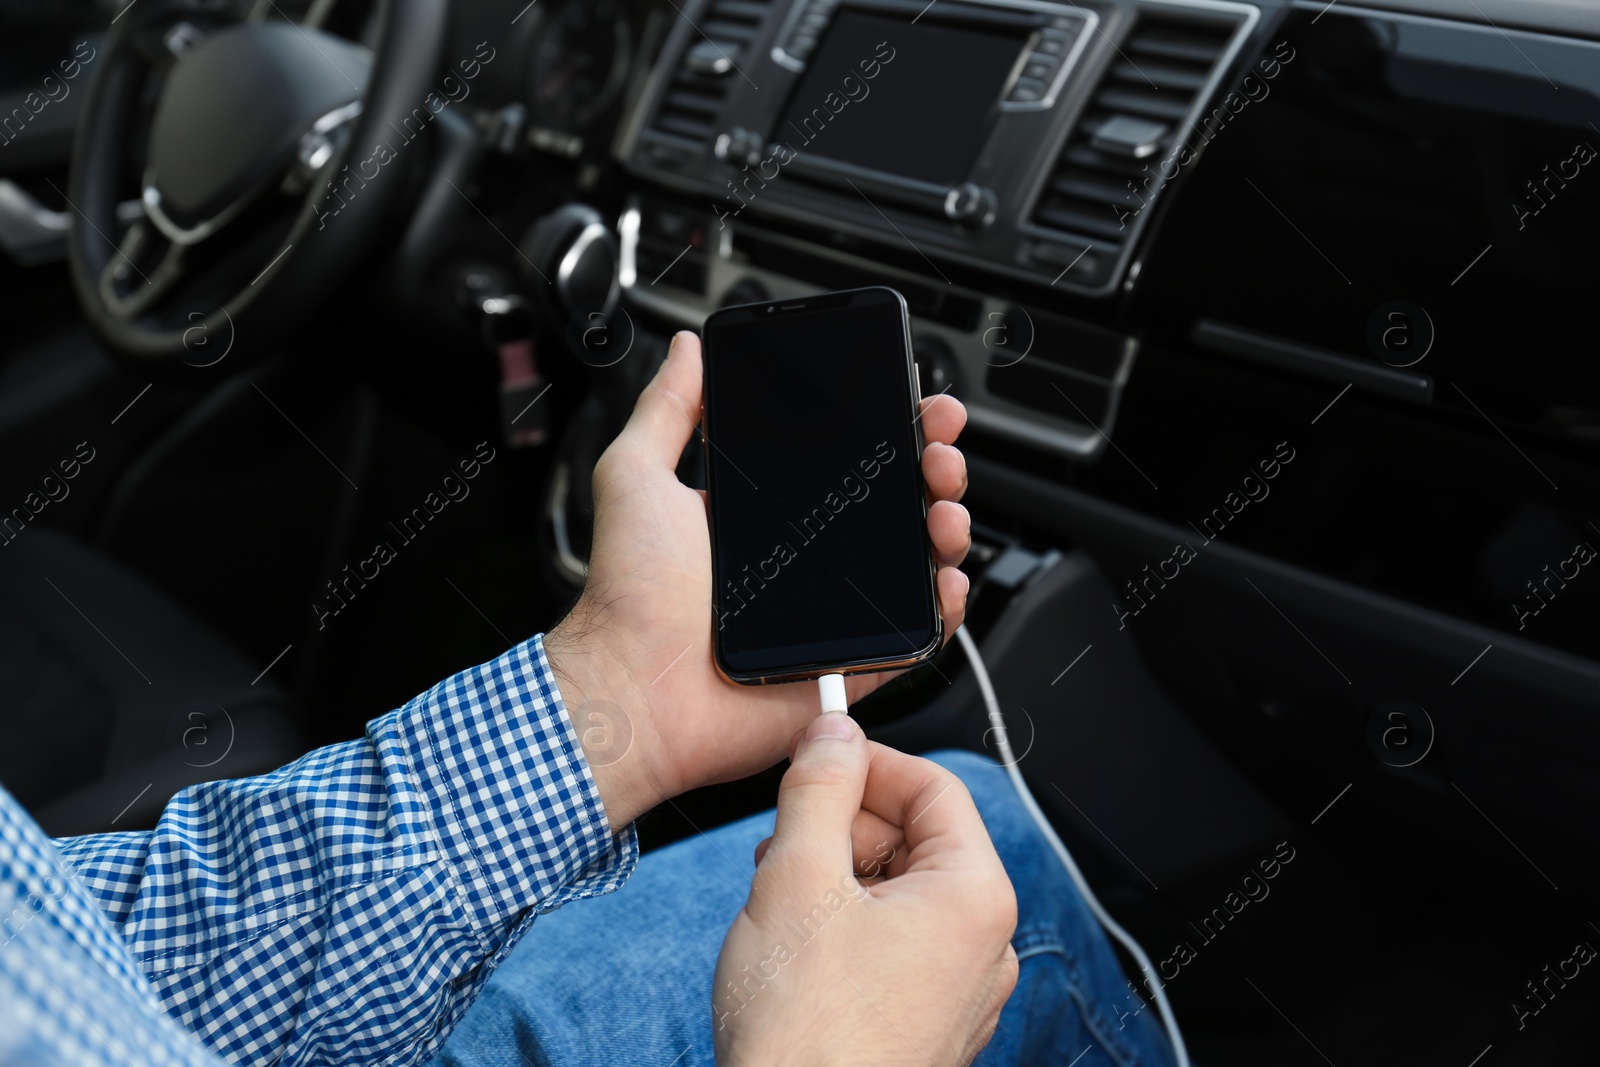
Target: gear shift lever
571	263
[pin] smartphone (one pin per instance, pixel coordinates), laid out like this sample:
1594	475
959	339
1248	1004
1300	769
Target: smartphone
813	449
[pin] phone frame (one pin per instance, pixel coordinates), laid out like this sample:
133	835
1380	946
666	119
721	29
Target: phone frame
867	665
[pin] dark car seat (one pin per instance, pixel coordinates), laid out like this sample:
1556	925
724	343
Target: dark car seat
113	697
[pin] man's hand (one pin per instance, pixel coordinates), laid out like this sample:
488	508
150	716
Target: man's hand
634	659
909	965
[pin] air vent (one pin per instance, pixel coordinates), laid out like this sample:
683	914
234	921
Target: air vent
1073	372
716	51
1106	174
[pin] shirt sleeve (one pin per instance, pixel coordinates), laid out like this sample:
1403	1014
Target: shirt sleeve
348	907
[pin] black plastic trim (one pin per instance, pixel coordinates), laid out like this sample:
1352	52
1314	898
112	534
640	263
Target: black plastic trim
1283	354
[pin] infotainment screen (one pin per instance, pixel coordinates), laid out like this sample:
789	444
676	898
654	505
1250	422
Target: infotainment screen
912	99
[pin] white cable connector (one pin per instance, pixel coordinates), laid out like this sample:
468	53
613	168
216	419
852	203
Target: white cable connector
830	687
997	723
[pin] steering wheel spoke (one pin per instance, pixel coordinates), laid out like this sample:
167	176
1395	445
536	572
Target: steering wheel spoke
145	268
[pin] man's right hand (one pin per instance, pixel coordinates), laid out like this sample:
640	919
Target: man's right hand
909	964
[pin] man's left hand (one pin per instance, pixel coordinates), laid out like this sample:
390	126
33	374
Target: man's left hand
634	658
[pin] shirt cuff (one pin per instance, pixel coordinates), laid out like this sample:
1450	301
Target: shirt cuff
520	815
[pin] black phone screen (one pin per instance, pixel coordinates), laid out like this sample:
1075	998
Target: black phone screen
818	520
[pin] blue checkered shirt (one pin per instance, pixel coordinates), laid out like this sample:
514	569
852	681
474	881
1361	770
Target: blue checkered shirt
343	909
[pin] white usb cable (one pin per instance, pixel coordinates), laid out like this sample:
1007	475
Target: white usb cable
830	688
998	723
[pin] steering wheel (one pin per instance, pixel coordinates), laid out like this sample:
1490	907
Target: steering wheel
265	170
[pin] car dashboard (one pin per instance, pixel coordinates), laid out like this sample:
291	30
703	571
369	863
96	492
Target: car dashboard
1181	211
1277	309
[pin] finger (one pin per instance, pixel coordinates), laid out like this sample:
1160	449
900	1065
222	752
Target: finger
817	804
943	418
953	586
761	848
668	411
950	528
932	808
944	469
878	846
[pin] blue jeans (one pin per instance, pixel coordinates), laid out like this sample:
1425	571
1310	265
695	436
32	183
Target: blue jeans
626	978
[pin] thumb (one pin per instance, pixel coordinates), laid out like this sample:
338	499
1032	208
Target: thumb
817	803
668	411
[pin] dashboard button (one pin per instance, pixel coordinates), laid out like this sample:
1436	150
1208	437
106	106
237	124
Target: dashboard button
1027	89
708	57
1040	68
738	146
1126	135
970	204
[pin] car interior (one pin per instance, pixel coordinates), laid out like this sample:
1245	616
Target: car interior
1270	320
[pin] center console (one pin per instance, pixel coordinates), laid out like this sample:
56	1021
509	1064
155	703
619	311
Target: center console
951	149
